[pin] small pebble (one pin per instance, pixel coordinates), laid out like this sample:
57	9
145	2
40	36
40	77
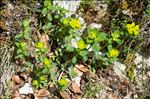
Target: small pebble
148	73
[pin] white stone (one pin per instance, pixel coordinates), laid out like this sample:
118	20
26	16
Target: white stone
126	12
148	73
74	42
10	6
71	6
138	59
89	48
95	25
83	27
82	21
26	89
119	69
147	60
100	53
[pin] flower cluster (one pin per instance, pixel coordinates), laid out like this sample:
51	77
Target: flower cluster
66	21
92	35
62	83
40	45
133	29
75	24
81	44
115	36
113	53
46	61
23	44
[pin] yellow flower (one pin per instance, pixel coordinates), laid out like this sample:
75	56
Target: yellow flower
46	61
63	82
75	24
23	44
81	44
133	29
40	45
42	78
66	21
115	36
92	35
35	82
113	53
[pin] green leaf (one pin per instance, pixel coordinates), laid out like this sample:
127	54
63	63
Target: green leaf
19	51
85	58
120	42
95	47
89	40
101	36
19	56
44	11
69	48
109	47
52	74
49	17
18	36
47	26
43	50
111	60
26	53
56	16
26	36
26	23
83	53
72	72
74	60
50	7
47	3
44	27
29	64
17	44
110	40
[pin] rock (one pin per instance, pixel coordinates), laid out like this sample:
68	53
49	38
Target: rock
95	25
10	6
74	42
71	6
119	69
142	62
83	23
26	89
148	73
138	59
148	61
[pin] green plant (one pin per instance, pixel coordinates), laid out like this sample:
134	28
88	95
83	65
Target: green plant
70	45
7	90
44	70
133	29
21	40
22	50
25	34
62	83
148	9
